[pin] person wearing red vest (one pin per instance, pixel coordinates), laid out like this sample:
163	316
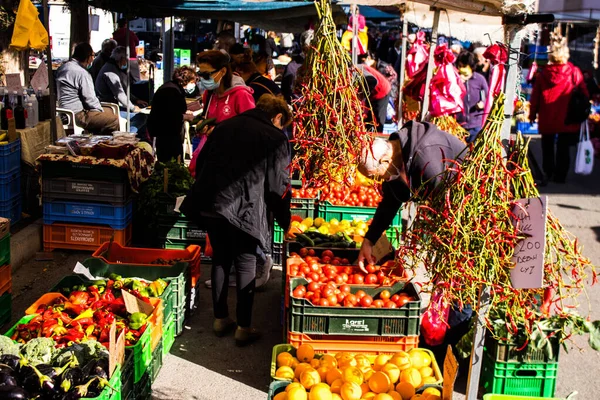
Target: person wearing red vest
379	91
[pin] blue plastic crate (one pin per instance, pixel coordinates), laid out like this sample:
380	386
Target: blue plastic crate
11	209
527	128
10	185
10	157
116	216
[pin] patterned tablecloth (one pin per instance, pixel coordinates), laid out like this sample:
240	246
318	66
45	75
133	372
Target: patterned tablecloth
139	164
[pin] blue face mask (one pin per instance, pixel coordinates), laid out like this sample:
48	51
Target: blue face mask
124	67
209	84
255	48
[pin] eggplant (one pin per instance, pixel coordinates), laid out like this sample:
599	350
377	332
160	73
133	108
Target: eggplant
10	360
7	379
13	393
98	367
5	369
71	378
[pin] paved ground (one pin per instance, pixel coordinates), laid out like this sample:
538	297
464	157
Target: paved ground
203	367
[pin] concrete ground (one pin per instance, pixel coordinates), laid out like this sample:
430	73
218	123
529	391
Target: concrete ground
203	367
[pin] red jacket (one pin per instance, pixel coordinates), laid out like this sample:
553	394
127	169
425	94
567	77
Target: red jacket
551	95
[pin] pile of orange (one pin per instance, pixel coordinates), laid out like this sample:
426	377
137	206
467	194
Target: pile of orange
349	376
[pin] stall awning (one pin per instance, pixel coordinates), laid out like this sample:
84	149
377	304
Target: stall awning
372	13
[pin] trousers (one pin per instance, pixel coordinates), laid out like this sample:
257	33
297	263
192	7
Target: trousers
97	122
556	163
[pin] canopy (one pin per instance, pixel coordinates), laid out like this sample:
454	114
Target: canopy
373	13
270	15
571	11
479	7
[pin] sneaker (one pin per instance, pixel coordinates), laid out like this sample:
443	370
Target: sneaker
223	326
246	336
232	282
263	272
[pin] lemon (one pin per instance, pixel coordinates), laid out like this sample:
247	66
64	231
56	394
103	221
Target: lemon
334	222
308	222
324	230
295	224
318	222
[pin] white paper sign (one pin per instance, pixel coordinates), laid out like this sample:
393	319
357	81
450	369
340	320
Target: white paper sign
81	269
40	78
530	221
13	82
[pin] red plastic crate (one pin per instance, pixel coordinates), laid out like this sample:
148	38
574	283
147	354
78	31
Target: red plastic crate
332	344
145	257
5	279
82	237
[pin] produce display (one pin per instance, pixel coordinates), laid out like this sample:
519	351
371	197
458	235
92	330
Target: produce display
41	370
362	193
89	312
448	123
350	376
328	234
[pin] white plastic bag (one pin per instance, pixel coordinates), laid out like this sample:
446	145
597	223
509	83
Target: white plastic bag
584	163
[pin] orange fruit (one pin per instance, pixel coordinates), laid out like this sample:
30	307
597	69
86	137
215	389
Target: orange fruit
365	388
429	380
297	393
392	371
402	360
315	363
362	362
426	371
284	359
368	396
417	360
347	360
309	378
332	375
305	353
284	373
352	374
367	374
380	361
406	390
417	397
351	391
383	396
295	363
328	359
395	395
432	394
380	382
300	369
281	396
323	373
412	376
336	385
336	396
320	391
293	385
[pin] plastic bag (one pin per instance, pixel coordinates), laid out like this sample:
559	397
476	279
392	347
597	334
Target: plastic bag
29	32
435	319
584	163
416	58
208	251
498	56
447	89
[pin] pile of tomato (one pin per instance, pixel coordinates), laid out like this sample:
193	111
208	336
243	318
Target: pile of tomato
331	295
341	195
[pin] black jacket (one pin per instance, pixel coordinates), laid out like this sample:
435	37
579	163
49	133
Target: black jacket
166	120
424	150
262	85
241	175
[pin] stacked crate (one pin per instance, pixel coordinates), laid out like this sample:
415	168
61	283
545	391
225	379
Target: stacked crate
85	206
10	181
5	273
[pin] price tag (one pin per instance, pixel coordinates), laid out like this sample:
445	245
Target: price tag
450	372
40	78
382	248
13	82
133	304
530	221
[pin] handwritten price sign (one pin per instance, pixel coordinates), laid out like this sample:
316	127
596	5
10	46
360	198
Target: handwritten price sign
530	222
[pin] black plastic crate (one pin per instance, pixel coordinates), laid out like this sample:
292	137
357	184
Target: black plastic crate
67	169
118	193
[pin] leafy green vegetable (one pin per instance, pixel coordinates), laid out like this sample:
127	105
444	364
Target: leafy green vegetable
7	346
84	352
39	351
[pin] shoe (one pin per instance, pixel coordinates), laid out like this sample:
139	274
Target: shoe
246	336
263	272
223	326
232	282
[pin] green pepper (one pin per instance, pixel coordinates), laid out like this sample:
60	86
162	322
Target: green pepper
115	277
163	284
137	320
137	285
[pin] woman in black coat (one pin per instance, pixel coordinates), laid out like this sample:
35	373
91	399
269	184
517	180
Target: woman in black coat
168	113
241	176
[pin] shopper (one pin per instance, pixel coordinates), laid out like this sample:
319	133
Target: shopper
76	93
483	64
225	40
395	54
549	104
475	95
288	82
248	71
241	176
379	92
102	58
111	86
125	37
261	56
169	110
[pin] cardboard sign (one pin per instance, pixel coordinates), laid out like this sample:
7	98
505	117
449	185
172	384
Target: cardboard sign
133	304
116	349
13	82
530	222
450	372
12	130
382	248
40	78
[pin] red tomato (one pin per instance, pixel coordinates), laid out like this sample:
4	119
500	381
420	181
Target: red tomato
314	287
345	261
370	268
345	277
339	280
323	279
404	298
303	252
340	296
325	259
360	294
327	253
348	270
336	262
390	304
315	267
345	288
306	269
395	298
366	301
311	252
294	270
327	291
299	293
371	279
352	299
333	300
381	276
358	279
324	303
378	303
315	277
384	295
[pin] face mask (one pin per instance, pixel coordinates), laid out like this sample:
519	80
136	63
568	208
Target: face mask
124	67
465	72
209	84
255	48
189	88
88	67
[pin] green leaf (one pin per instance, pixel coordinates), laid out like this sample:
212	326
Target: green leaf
594	340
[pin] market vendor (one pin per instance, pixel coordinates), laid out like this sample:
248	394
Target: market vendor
241	176
411	163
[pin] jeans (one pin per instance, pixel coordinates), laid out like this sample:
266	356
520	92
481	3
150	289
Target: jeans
138	121
556	164
233	247
472	134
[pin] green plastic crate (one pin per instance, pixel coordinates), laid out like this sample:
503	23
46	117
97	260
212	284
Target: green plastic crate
521	379
181	229
168	335
276	387
328	211
310	319
5	308
142	354
114	391
127	377
23	320
492	396
394	234
305	208
505	352
5	250
157	362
